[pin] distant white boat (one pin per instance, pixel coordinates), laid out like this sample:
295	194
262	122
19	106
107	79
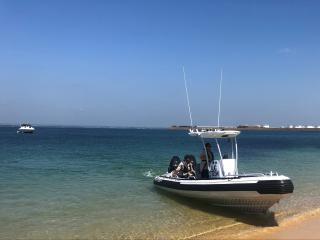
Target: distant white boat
26	128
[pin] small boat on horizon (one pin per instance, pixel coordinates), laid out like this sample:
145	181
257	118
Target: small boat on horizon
25	128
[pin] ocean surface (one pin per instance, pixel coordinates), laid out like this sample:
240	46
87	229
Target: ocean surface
97	183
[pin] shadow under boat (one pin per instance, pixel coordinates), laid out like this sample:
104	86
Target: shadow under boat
255	219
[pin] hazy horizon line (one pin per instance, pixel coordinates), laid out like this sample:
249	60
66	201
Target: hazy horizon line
145	127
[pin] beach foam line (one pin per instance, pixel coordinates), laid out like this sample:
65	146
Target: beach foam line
212	230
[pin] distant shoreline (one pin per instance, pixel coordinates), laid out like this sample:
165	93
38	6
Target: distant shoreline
185	128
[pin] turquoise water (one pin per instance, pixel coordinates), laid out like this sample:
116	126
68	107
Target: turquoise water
80	183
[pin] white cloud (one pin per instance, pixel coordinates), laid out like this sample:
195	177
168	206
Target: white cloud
286	51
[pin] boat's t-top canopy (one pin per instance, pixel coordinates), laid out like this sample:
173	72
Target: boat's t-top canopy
216	133
224	165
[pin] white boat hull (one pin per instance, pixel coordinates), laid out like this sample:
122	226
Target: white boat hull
242	193
26	130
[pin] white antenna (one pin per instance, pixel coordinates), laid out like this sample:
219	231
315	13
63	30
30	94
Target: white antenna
185	84
220	98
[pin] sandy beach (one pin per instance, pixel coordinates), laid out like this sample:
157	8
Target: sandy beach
302	226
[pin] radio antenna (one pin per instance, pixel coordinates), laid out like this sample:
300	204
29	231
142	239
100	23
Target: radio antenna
219	109
185	84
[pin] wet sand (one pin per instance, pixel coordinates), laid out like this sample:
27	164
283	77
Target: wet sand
303	226
308	229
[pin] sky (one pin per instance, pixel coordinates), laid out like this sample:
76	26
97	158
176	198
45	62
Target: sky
119	63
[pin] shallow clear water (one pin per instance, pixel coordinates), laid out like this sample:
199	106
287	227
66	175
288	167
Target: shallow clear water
69	183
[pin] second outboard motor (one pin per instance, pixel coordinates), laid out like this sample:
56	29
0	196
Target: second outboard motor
174	162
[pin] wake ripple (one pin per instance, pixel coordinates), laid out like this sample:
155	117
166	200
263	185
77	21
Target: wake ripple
149	174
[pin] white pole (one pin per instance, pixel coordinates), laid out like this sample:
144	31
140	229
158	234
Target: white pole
218	145
220	98
185	84
232	147
236	146
221	162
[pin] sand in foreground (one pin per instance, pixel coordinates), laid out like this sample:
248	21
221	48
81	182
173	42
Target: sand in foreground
308	229
301	227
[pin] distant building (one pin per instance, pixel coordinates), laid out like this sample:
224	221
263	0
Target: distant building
310	127
254	126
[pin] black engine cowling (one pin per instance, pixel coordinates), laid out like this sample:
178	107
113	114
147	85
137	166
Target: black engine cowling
174	162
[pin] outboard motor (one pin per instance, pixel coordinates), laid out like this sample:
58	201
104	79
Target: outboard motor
174	162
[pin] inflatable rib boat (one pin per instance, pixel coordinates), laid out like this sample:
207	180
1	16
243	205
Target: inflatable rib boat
255	192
